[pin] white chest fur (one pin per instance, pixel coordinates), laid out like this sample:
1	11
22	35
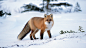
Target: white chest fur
48	25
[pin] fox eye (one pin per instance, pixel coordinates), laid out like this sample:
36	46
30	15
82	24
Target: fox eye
47	20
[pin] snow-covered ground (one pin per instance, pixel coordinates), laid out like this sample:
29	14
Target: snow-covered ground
12	25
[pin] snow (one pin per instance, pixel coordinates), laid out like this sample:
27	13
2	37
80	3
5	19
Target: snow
57	2
63	43
12	25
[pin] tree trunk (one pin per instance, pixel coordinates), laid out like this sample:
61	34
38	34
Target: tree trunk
43	4
47	6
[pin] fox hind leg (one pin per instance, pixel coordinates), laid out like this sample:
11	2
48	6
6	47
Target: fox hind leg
31	35
35	31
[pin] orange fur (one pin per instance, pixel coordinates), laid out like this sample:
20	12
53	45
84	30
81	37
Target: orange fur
44	24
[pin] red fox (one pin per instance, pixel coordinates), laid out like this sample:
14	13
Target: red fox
35	24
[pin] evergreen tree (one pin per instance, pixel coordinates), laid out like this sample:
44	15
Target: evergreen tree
77	7
80	29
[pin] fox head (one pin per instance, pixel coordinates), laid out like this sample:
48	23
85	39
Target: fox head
48	19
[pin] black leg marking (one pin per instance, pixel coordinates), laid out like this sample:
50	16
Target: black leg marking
41	36
31	38
50	36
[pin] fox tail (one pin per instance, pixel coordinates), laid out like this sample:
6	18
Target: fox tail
24	32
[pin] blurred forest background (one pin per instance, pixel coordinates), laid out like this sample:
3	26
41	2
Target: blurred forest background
47	6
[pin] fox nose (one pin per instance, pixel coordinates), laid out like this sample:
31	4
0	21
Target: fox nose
49	22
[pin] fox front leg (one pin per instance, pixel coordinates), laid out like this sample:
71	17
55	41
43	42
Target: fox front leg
49	34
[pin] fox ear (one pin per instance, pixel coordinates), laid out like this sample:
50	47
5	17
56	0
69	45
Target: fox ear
51	15
45	15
